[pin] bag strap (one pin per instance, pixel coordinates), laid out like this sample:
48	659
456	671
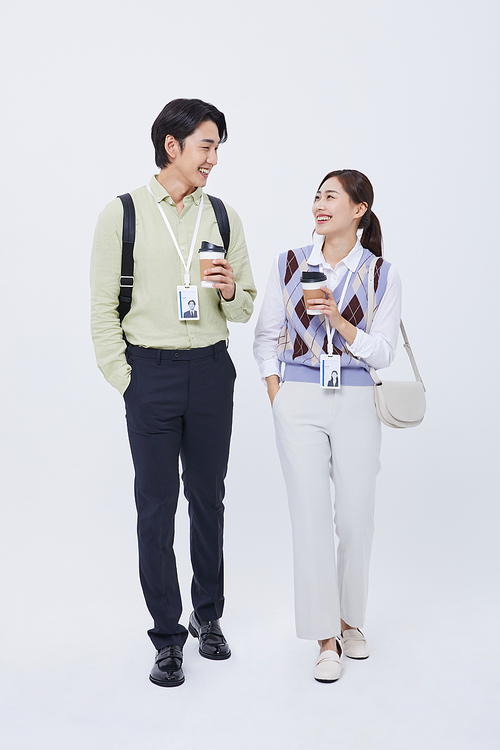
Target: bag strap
128	240
127	268
369	320
220	212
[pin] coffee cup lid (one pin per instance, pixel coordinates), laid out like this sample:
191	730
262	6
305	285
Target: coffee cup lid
207	247
311	276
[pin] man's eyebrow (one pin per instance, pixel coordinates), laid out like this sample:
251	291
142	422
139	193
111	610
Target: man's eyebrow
206	140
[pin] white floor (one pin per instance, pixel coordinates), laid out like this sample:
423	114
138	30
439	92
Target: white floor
418	690
76	656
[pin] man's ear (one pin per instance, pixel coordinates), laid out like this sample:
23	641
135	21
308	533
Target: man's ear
172	147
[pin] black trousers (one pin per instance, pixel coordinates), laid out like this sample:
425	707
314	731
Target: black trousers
180	403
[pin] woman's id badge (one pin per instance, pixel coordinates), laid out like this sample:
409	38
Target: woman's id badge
329	371
187	302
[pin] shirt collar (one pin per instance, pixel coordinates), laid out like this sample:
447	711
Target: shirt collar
161	194
351	261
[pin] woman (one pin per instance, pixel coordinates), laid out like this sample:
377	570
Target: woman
330	432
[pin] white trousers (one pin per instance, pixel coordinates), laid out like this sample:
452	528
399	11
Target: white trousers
323	434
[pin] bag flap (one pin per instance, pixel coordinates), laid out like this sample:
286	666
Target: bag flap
404	400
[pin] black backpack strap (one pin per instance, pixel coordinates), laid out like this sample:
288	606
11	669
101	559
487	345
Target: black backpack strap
222	219
128	239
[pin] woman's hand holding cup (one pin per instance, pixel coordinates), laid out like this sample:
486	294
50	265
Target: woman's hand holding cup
327	307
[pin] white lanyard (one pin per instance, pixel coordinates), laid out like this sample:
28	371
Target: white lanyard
187	266
329	330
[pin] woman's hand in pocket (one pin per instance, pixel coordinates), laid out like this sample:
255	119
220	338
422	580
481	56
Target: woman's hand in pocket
273	386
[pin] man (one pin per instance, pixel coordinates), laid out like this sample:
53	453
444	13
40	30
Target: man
191	313
176	375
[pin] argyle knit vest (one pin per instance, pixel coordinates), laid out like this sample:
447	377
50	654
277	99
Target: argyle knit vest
303	337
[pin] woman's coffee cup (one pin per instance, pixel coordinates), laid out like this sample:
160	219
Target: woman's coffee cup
312	281
209	253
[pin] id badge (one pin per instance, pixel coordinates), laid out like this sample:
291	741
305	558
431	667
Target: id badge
187	303
329	371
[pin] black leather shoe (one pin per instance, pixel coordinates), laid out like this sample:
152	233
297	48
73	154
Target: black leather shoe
167	669
213	645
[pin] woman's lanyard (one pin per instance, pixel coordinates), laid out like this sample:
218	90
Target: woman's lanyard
187	266
329	331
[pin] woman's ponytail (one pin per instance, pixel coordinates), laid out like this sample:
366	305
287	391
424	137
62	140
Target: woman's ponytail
372	234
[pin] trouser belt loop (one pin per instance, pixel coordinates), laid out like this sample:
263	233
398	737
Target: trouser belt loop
215	353
158	357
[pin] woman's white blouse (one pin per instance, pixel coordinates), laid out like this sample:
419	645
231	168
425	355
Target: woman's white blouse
376	348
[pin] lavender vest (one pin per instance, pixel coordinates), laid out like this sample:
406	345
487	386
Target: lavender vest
303	337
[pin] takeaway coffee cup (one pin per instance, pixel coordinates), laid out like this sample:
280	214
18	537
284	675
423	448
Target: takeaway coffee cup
312	281
208	253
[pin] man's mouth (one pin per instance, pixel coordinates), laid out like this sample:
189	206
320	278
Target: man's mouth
204	171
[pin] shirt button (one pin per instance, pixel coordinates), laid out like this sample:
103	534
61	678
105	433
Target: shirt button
183	247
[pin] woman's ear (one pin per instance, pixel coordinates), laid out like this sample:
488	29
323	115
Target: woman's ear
361	210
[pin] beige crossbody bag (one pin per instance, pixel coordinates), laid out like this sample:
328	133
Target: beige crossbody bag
399	403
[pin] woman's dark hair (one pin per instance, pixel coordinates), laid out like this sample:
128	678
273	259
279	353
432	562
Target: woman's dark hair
359	189
180	118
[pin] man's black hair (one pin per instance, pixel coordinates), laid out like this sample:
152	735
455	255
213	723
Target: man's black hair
180	118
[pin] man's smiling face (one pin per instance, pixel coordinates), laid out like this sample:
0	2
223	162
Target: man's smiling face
194	163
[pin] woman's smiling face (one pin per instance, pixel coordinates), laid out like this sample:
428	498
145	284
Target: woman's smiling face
334	211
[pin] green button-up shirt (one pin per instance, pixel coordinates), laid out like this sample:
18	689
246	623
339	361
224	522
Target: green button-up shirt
153	318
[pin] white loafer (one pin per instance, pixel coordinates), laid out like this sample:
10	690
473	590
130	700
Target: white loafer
355	645
328	666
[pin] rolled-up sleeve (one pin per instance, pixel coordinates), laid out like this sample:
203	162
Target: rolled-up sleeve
240	308
105	265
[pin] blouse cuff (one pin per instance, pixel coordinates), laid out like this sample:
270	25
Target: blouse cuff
269	367
362	346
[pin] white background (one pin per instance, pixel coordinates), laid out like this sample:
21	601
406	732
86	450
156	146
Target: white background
405	93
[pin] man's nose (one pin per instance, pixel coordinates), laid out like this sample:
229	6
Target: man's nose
212	158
